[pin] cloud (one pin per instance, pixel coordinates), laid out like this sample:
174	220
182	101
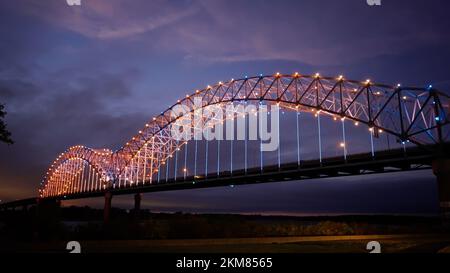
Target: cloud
110	19
223	32
45	123
316	32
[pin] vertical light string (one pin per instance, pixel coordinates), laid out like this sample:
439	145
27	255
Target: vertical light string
131	171
246	134
231	156
83	165
69	180
97	178
152	157
261	158
344	141
144	171
71	173
159	168
218	156
320	137
125	176
89	178
298	137
137	167
177	149
195	158
371	141
185	160
206	153
279	142
167	168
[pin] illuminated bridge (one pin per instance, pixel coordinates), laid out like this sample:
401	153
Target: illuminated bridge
328	126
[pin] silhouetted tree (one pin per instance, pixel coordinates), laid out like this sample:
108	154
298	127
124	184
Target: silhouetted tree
5	135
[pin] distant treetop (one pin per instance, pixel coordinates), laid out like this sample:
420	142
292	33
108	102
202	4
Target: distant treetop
5	135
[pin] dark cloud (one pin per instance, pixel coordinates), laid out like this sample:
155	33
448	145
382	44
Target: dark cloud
46	123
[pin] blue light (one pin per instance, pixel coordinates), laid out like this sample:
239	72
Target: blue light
437	118
246	77
430	86
261	75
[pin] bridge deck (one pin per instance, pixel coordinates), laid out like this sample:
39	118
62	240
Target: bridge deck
359	164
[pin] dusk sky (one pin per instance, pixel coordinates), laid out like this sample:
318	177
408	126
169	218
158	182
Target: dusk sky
95	74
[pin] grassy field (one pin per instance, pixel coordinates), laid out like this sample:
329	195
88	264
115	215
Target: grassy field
311	244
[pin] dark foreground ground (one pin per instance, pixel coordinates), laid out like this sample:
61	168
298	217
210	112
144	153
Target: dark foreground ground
316	244
23	231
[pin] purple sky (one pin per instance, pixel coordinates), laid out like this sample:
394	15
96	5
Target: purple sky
94	74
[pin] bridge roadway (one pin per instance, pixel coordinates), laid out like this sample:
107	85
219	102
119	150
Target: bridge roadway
412	158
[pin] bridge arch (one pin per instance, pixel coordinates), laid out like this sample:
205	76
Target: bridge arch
411	114
417	115
66	174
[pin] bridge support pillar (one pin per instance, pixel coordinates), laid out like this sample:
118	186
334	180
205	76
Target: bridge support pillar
107	207
137	205
441	168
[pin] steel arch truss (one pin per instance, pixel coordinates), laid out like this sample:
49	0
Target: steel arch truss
79	169
417	115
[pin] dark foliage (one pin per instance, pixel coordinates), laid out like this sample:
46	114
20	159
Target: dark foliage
5	135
